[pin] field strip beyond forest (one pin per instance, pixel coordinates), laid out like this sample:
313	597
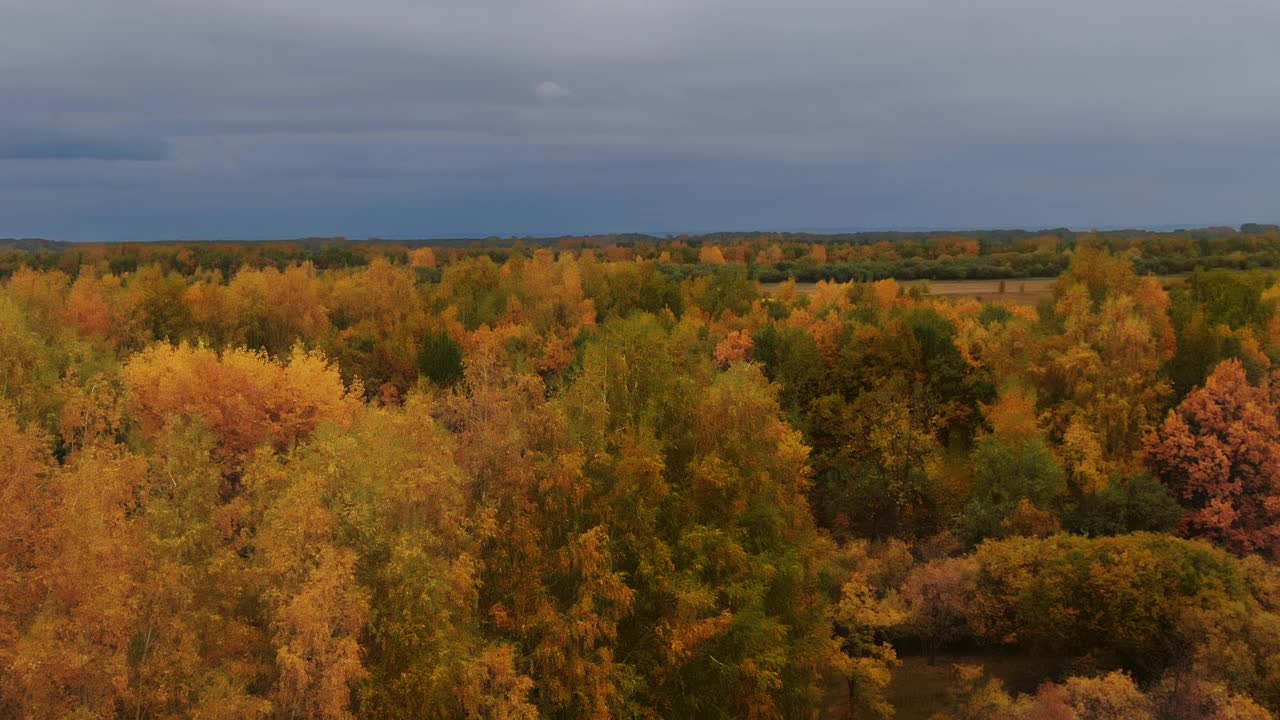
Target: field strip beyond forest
1024	291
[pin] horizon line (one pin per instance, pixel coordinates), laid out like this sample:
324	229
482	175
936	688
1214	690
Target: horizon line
663	234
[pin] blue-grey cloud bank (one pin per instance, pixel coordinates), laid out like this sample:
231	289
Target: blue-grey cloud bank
158	119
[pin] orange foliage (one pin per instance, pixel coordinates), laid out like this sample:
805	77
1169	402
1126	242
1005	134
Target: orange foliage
71	658
244	397
711	255
884	293
958	246
423	257
1220	452
1013	414
735	347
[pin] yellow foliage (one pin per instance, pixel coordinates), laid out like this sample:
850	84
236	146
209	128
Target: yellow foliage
884	293
423	257
711	255
243	396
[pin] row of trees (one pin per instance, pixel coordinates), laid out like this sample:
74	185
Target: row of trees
558	486
770	257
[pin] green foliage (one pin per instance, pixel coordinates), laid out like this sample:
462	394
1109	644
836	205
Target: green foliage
1127	505
1200	349
1122	600
1008	470
792	360
1233	299
440	358
950	382
724	290
624	289
477	290
160	298
876	477
994	314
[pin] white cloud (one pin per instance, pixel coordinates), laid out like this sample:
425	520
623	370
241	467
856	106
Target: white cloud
548	90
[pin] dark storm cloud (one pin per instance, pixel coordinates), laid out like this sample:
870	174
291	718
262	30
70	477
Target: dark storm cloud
17	144
150	118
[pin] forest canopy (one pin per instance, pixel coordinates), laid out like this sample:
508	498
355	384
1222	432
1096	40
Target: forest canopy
618	477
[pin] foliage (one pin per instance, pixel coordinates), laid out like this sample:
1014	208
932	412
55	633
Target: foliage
1008	471
1219	450
617	477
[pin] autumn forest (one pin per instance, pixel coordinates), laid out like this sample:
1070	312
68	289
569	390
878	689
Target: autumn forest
725	476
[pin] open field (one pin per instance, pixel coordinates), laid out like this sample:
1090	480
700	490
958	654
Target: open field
1025	291
1019	291
1028	291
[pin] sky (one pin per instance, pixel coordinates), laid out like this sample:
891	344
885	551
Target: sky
189	119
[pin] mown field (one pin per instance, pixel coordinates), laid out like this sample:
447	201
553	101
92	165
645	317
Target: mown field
1027	291
1020	291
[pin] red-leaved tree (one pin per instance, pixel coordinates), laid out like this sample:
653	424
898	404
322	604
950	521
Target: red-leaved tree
1219	451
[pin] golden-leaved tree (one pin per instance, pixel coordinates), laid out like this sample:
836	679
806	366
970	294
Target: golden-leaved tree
242	396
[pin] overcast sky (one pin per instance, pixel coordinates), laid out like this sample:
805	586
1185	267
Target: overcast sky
156	119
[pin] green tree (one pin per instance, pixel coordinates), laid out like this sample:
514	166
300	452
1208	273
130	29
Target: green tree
1009	469
440	358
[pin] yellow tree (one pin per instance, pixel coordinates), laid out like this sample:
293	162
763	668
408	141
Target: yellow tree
242	396
1100	377
550	585
746	522
402	505
710	255
198	649
26	493
315	608
273	310
71	654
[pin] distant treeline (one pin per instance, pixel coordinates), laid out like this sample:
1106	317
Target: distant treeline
766	256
